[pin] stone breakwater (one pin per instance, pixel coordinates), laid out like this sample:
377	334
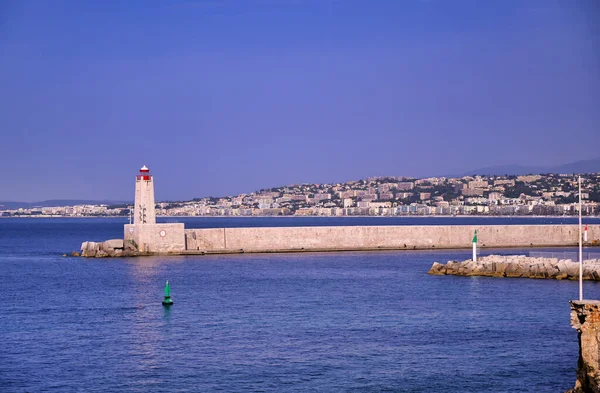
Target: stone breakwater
519	266
108	248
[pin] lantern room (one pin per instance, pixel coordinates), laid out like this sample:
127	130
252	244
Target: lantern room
144	173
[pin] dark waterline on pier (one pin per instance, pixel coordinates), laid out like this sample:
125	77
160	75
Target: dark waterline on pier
291	322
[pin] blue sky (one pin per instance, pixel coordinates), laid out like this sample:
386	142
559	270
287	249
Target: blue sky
220	97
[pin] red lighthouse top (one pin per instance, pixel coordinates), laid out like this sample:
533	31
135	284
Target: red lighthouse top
144	173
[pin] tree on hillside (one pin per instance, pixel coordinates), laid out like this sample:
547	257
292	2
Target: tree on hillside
520	188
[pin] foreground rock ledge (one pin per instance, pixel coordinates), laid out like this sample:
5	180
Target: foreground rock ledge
520	266
585	318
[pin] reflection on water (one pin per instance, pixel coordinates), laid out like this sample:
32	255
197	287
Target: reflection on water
282	322
144	270
167	314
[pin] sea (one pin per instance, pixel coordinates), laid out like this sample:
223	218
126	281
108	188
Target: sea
306	322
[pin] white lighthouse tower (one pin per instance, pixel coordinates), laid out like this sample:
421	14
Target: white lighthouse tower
144	211
145	235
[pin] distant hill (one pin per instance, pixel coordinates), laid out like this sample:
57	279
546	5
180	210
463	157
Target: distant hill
584	166
56	202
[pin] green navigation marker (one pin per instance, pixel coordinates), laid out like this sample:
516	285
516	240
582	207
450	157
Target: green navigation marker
167	301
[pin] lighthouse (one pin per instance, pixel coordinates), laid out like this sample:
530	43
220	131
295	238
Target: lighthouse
145	235
144	211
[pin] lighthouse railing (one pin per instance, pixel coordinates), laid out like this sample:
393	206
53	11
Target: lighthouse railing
564	255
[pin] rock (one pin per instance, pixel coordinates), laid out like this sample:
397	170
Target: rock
437	269
513	270
571	268
585	318
113	243
101	254
535	271
501	267
553	272
75	254
89	249
519	266
452	266
561	276
526	269
480	270
562	266
108	248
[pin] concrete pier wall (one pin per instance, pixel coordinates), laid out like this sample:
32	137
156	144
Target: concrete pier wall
289	239
155	238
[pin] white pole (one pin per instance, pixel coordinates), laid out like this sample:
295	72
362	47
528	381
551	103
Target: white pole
474	252
580	249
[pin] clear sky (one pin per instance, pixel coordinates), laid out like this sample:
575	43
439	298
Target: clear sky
220	97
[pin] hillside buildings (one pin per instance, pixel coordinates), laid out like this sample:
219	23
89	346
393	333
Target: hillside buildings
551	194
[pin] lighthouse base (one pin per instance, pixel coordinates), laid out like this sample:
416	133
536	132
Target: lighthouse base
155	238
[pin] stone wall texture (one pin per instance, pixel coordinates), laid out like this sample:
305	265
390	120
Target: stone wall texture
144	202
287	239
155	238
206	239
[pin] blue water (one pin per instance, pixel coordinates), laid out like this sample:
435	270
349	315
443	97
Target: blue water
334	322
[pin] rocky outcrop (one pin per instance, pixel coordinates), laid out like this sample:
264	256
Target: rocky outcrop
585	317
519	266
109	248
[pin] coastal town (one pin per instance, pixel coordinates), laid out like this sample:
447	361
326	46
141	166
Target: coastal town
545	194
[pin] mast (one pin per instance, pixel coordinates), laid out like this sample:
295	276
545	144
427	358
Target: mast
580	249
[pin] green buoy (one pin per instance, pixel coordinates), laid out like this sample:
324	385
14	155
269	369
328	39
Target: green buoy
167	301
